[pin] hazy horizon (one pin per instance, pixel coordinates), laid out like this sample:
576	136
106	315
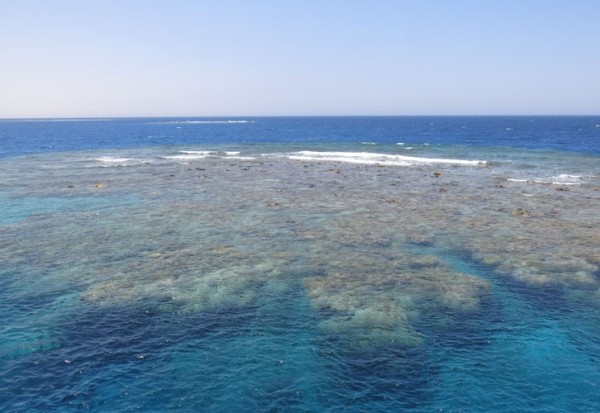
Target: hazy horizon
110	59
233	117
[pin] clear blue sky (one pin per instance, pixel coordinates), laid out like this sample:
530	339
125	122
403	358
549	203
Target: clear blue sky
340	57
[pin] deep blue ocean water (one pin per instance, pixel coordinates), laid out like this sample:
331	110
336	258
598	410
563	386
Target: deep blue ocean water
345	264
577	134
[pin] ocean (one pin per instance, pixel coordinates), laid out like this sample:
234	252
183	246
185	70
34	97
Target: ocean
301	264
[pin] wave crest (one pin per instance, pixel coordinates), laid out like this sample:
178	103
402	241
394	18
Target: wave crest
368	158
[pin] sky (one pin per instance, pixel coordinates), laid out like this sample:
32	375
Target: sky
121	58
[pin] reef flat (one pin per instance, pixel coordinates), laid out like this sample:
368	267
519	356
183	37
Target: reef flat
218	232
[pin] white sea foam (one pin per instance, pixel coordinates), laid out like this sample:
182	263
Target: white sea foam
367	158
119	161
206	153
110	159
214	153
200	122
400	143
565	179
565	183
194	155
562	179
369	143
241	158
186	157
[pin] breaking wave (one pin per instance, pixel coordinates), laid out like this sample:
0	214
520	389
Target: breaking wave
367	158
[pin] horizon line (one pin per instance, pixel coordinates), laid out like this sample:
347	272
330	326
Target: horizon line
98	118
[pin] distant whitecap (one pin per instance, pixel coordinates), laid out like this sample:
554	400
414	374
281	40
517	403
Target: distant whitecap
200	122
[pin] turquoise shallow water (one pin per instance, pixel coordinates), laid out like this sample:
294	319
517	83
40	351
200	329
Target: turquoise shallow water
257	277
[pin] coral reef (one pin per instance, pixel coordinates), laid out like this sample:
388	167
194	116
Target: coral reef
216	233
